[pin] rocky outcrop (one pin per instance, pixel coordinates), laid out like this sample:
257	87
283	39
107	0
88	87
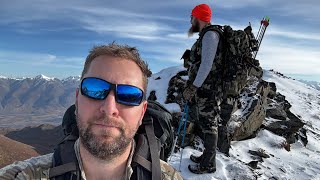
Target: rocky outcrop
249	104
251	114
283	122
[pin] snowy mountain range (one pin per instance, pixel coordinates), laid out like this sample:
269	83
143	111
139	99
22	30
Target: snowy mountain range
29	101
277	162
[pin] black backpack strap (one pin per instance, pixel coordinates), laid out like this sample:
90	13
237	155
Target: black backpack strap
142	161
64	168
152	141
216	28
65	163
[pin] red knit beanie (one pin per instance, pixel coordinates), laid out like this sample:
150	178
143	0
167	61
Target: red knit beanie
202	12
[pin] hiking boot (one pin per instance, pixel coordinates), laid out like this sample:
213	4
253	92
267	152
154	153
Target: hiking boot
197	169
196	159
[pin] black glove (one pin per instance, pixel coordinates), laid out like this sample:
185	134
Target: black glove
186	58
189	92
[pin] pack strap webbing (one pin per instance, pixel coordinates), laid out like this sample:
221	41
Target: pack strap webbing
59	170
155	169
143	162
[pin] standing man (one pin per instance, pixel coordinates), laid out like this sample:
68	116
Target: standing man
110	104
204	85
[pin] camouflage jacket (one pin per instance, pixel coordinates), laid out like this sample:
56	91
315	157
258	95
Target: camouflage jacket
38	168
213	79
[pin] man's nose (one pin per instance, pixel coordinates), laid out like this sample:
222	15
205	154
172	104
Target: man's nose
110	105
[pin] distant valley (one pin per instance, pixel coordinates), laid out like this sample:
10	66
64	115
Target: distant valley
35	101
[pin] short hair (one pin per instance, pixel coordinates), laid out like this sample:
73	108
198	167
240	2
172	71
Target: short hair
120	51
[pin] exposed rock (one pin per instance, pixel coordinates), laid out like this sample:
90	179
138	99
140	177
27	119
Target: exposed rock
247	101
283	122
247	120
273	90
260	153
152	96
253	164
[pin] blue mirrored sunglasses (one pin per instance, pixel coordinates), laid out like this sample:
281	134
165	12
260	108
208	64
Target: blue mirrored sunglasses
99	89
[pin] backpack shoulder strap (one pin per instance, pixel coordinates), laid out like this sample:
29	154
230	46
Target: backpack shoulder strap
143	162
64	159
62	169
217	28
156	170
154	165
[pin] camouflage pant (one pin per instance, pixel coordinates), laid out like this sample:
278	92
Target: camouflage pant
208	106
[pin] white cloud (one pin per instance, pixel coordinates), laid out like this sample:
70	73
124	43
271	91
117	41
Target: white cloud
132	28
233	4
288	58
293	34
38	59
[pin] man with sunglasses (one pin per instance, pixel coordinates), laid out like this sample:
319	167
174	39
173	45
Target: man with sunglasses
203	85
110	104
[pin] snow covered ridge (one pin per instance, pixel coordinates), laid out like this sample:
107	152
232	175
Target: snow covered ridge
304	99
276	160
41	76
44	77
313	84
72	78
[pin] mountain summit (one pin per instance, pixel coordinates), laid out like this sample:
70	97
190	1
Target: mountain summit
274	121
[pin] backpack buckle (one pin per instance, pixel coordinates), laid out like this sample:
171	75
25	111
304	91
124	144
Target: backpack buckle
147	120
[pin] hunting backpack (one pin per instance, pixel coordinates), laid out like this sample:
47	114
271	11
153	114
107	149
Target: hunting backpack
153	138
237	47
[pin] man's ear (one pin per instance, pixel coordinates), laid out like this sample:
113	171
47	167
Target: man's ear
77	92
144	108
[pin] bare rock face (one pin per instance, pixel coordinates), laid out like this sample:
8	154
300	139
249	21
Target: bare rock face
249	117
283	122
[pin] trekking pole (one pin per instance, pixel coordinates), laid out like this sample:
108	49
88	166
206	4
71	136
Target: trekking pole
178	133
184	134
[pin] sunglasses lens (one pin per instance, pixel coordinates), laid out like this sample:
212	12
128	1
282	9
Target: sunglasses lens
95	88
129	95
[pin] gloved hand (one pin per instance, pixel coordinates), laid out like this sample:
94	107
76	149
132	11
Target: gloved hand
186	58
189	92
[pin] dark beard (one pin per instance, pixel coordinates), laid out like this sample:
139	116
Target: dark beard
103	150
193	29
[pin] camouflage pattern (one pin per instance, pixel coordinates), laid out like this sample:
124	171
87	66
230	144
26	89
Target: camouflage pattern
232	65
34	168
225	80
39	170
209	95
168	172
208	111
238	54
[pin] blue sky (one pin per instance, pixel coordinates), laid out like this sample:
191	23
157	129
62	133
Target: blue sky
54	37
